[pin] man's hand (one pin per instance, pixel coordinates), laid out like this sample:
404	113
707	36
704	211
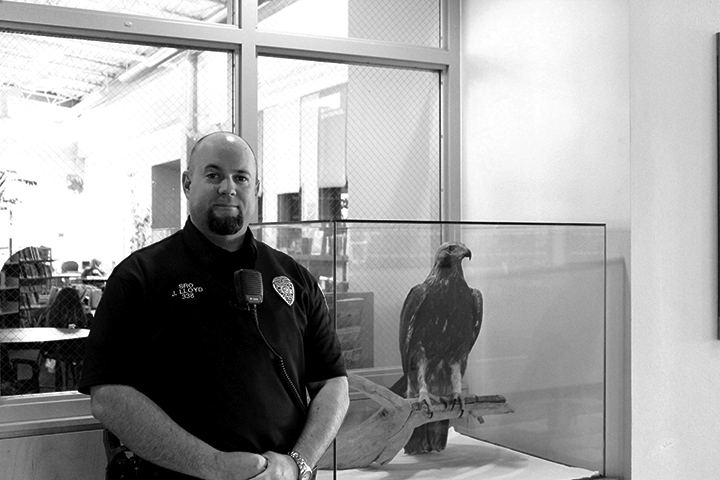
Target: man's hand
279	467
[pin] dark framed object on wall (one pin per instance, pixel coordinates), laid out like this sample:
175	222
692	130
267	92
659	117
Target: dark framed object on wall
717	100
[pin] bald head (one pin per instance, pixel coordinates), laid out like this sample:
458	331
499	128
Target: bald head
219	140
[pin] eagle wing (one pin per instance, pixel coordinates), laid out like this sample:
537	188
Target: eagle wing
415	297
477	313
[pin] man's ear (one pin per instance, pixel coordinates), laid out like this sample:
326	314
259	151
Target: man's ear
186	181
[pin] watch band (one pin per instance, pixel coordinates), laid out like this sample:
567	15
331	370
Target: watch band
304	470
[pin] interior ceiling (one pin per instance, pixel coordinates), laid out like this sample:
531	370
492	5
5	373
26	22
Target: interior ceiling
63	71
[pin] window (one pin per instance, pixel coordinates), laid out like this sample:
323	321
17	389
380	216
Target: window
370	131
410	22
103	139
97	117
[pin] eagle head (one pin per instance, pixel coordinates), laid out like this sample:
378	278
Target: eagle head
451	254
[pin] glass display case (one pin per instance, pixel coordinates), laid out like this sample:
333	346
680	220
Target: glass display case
532	400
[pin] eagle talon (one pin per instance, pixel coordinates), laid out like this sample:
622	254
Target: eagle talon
421	405
428	409
425	403
458	401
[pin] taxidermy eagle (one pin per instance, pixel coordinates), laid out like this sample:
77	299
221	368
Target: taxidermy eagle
439	323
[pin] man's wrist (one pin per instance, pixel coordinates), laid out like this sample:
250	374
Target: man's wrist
304	470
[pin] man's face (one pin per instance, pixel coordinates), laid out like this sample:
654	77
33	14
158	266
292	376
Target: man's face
221	186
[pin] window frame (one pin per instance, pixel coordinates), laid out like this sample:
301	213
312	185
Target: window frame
70	411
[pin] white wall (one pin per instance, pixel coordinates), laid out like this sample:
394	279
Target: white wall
545	99
546	138
512	54
675	354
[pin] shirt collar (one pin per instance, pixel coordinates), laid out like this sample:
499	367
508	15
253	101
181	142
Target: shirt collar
216	258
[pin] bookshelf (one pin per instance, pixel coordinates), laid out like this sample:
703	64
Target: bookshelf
25	282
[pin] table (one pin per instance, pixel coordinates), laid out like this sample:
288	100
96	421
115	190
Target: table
64	279
94	280
36	338
39	335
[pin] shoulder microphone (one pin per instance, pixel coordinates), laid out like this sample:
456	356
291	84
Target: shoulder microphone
248	287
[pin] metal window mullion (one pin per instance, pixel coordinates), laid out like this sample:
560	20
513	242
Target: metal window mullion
248	94
248	15
451	118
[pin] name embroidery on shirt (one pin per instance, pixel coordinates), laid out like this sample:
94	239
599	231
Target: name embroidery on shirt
285	288
186	291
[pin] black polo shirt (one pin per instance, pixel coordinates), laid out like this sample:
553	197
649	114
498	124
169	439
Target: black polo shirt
169	325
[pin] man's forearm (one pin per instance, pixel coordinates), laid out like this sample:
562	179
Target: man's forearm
325	417
150	433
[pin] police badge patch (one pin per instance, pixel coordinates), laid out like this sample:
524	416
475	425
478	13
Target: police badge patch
285	288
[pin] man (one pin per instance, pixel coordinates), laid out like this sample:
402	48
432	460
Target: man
93	269
181	371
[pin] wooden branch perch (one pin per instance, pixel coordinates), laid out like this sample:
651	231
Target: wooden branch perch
380	437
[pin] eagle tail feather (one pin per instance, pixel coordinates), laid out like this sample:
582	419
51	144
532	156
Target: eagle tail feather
400	387
430	437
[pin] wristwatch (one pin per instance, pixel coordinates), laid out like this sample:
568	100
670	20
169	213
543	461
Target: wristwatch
304	470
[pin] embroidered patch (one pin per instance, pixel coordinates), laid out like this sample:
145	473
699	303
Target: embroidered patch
285	288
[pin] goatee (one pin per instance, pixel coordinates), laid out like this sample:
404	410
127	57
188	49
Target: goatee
225	225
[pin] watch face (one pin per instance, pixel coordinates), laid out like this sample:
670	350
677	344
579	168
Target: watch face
305	476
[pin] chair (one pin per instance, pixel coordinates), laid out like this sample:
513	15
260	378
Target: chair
69	357
24	377
69	267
